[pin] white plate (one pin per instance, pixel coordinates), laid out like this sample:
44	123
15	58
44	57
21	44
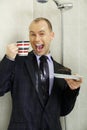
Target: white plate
65	76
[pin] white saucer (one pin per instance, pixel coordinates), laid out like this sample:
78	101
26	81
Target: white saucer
65	76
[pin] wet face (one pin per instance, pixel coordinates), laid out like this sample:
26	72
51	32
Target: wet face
40	37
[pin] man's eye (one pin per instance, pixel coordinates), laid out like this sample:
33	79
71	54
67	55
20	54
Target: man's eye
32	34
42	34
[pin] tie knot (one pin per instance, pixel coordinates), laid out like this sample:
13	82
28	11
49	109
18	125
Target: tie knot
43	58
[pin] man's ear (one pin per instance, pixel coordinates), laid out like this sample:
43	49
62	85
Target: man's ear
52	35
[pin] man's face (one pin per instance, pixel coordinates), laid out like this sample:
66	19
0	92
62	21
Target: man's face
40	37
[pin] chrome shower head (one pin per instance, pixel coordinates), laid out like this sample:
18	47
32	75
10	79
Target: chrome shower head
64	5
60	6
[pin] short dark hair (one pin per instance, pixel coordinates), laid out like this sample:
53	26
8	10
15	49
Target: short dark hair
44	19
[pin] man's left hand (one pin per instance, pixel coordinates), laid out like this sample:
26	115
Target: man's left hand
74	84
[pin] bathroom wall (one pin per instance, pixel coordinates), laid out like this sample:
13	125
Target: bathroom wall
75	48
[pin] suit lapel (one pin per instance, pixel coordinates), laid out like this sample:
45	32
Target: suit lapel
32	68
56	69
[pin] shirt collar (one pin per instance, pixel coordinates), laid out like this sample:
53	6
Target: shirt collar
48	55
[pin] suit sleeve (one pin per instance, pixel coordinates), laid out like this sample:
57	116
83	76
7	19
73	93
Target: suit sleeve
68	96
68	100
6	74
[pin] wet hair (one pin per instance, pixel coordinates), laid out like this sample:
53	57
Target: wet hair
44	19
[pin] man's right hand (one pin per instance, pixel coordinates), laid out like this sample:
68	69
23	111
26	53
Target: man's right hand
12	51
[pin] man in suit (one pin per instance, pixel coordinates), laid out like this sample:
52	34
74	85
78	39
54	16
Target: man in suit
20	75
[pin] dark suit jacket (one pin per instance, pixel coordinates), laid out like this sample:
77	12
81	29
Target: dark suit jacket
28	112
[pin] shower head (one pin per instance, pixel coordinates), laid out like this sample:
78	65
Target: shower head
64	5
60	6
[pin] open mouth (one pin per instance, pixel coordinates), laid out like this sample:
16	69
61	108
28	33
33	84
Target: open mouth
39	46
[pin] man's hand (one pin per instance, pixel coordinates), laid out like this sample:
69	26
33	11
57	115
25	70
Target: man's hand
12	51
74	84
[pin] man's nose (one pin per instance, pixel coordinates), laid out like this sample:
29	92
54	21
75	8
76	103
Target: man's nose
37	38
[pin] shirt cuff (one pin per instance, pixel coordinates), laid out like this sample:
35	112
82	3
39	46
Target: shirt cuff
10	58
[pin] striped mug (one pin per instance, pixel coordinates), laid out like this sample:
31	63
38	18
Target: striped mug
23	48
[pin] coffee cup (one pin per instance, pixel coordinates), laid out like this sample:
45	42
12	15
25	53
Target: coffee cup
23	48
